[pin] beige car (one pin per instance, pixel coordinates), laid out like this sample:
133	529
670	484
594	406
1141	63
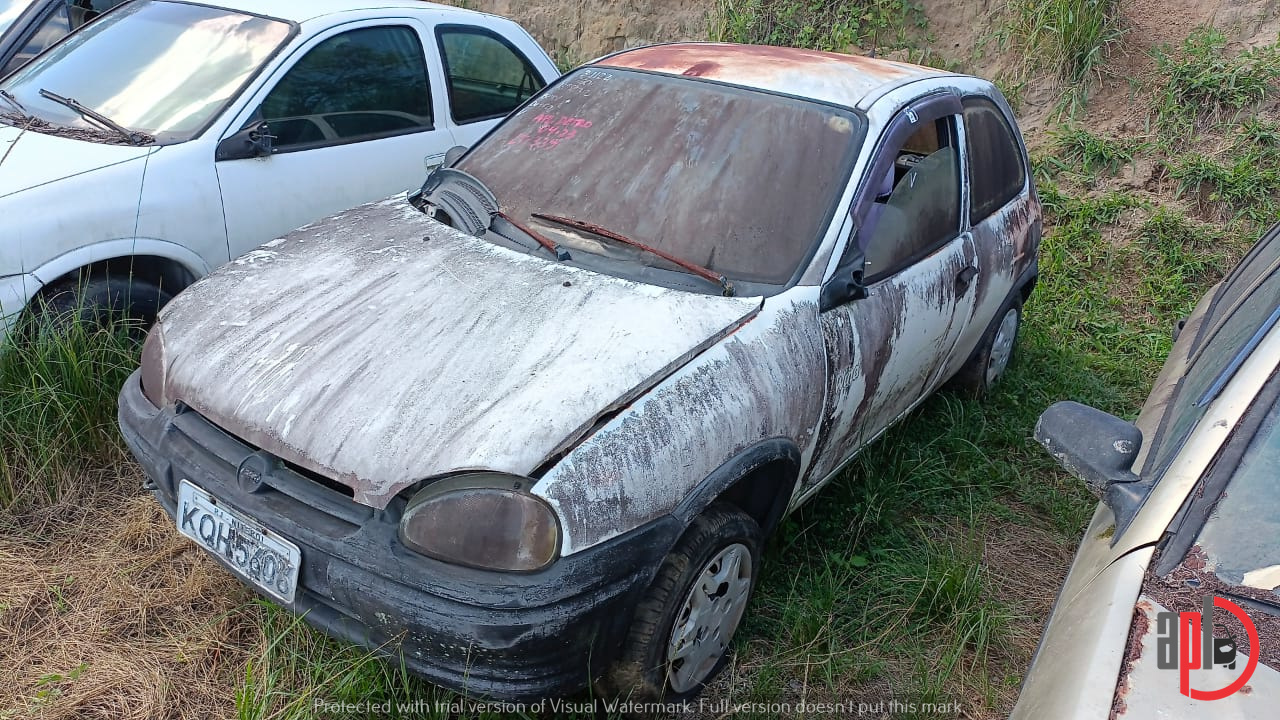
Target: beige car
1189	522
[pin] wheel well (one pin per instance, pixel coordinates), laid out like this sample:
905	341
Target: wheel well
1027	287
763	493
169	275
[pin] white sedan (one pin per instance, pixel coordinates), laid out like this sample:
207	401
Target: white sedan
165	138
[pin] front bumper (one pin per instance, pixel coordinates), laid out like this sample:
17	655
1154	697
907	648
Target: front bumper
488	634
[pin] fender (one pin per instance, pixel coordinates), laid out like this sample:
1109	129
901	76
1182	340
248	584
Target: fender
119	248
740	466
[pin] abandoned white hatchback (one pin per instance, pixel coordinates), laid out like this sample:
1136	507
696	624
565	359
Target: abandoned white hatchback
543	447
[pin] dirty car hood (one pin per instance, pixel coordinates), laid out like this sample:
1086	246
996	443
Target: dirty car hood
32	159
379	348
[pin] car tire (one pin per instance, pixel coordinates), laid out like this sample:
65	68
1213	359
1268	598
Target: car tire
991	358
723	542
100	301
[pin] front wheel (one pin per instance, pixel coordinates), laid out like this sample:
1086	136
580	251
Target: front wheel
680	636
99	302
991	358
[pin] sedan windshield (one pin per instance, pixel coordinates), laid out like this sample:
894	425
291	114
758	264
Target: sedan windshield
738	181
9	11
162	69
1240	534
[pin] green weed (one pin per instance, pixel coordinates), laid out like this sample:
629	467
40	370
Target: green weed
1067	38
1079	150
58	394
863	24
1202	83
1248	186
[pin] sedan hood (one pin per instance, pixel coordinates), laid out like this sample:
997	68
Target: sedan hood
379	347
32	159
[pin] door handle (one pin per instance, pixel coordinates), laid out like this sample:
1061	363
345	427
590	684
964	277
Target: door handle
964	278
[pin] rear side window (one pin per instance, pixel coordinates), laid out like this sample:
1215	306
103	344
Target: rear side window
359	85
487	77
996	169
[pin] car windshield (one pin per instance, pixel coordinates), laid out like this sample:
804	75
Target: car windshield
164	69
738	181
1241	311
9	11
1239	537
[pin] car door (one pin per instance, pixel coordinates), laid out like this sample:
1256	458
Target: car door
1003	212
486	77
886	346
353	118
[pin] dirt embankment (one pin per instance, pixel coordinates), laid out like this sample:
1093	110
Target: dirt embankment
574	31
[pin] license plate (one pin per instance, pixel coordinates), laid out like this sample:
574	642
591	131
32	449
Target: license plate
255	553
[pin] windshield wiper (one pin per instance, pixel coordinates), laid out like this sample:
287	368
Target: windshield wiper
134	138
14	102
726	287
559	252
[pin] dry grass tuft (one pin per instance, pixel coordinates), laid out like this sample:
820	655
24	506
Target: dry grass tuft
117	616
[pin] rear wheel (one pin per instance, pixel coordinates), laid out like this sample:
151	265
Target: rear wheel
991	359
683	627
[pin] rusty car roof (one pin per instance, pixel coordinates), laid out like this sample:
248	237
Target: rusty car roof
827	76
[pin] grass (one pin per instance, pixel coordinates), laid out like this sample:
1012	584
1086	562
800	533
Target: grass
1079	150
1243	187
1069	39
1203	84
864	24
57	408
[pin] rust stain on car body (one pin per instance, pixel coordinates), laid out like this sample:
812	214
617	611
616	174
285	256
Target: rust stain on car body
832	77
1138	630
756	384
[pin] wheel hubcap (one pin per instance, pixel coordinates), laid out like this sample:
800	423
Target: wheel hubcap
708	618
1002	346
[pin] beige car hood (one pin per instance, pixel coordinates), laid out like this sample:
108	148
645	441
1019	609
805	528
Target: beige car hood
379	347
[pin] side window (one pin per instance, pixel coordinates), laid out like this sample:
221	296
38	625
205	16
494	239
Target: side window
361	85
50	30
55	26
487	77
918	207
996	170
82	11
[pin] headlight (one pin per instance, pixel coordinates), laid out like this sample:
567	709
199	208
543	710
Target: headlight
482	520
153	367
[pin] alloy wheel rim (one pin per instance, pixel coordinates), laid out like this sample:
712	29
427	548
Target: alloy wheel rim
708	618
1002	346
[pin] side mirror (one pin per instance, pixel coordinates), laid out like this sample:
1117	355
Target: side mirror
452	154
253	141
845	285
1098	448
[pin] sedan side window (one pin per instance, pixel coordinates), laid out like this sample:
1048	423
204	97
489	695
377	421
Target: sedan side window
67	17
361	85
996	170
487	77
52	29
918	208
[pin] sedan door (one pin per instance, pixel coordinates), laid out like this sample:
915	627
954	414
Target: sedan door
887	350
353	118
486	76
